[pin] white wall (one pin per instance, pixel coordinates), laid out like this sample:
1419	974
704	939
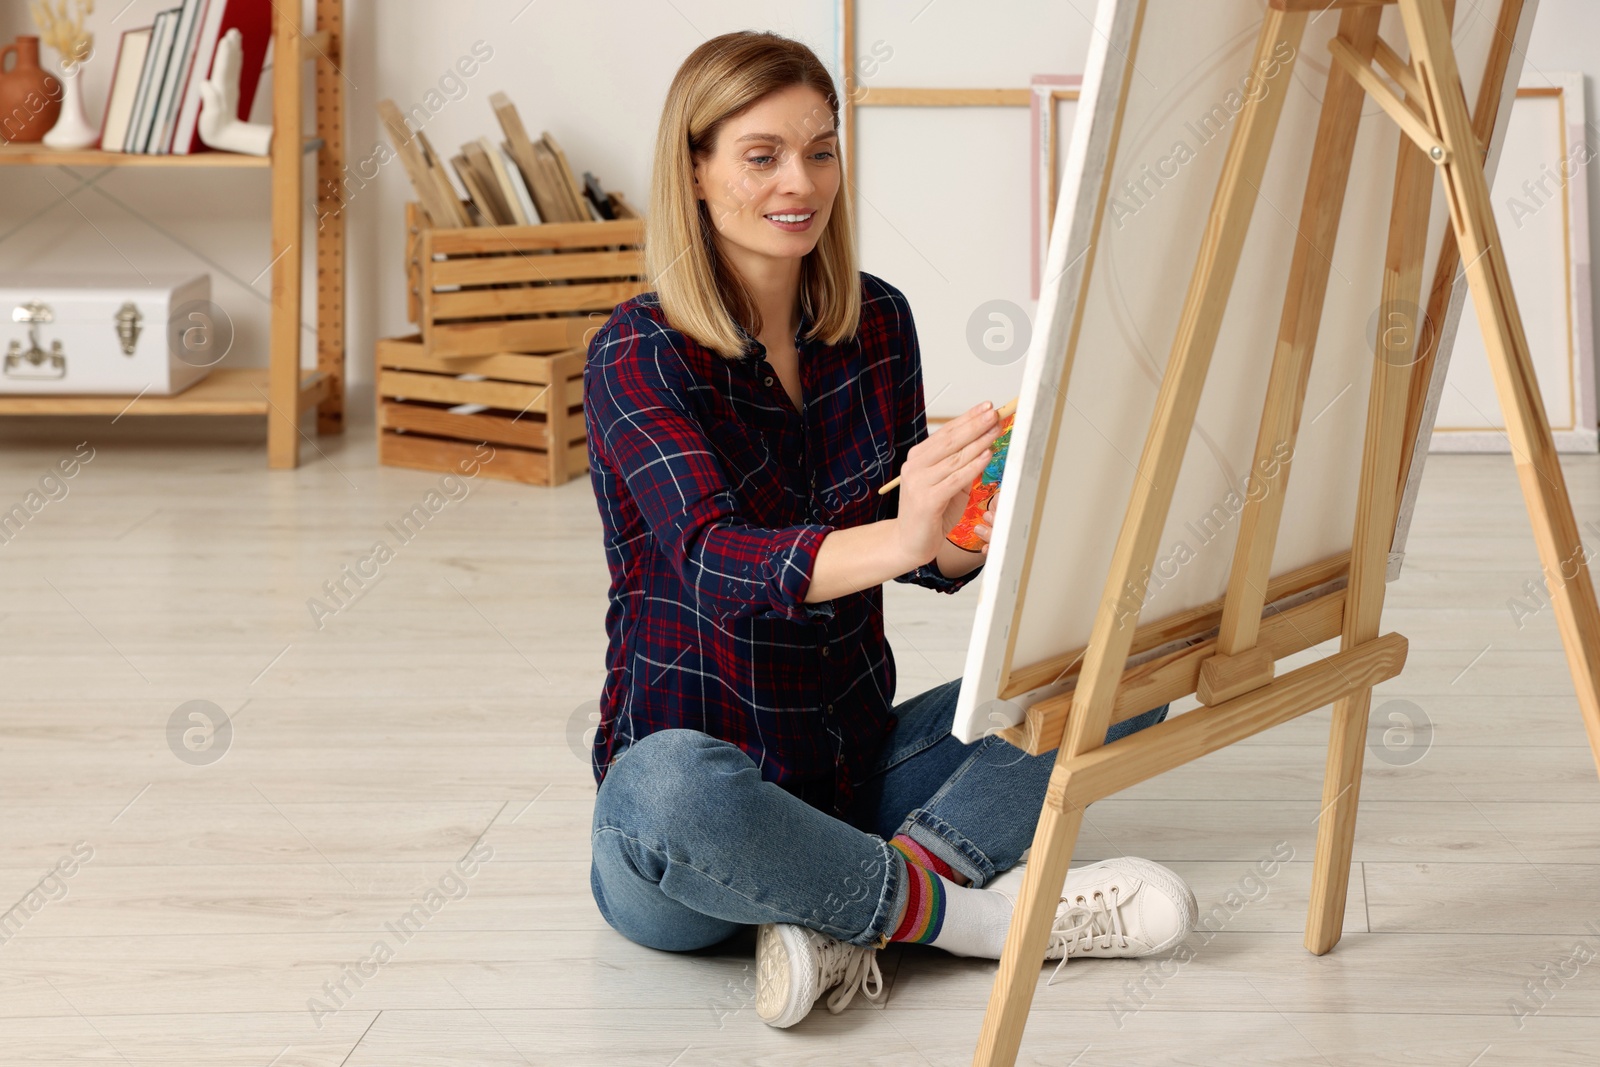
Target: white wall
594	74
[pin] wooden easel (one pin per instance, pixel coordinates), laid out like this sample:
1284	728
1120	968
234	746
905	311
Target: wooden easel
1235	682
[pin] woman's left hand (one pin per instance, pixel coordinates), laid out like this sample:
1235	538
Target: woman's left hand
984	527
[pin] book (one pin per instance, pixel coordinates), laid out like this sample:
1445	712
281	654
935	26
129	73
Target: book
131	50
518	186
508	192
155	65
177	75
253	20
166	45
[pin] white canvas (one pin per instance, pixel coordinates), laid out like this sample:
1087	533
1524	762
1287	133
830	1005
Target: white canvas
1169	152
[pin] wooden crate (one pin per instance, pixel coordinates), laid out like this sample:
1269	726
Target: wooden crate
479	290
527	407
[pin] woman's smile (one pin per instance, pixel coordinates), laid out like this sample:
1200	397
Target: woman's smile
791	221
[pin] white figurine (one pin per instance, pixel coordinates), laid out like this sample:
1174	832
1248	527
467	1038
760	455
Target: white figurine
220	126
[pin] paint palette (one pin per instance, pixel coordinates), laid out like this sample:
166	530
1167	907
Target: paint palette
984	487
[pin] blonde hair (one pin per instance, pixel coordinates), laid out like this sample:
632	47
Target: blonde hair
701	295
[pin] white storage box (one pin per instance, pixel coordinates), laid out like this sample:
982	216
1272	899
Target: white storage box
110	335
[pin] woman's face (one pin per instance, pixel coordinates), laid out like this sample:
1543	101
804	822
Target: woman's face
770	180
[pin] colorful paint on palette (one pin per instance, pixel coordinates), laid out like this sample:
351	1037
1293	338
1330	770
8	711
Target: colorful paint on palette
984	486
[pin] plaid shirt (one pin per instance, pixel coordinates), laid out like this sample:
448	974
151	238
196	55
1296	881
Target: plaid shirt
715	494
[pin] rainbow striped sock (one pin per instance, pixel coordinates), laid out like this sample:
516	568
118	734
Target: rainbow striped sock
926	896
945	914
915	853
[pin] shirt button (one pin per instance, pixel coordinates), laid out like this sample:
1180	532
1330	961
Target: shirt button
768	379
830	709
824	650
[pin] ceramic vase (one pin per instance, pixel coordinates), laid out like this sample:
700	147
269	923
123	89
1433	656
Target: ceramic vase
30	96
72	129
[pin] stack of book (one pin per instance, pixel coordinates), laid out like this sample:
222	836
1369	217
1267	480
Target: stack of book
154	104
515	183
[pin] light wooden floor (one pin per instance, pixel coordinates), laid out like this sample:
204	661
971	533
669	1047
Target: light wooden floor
435	715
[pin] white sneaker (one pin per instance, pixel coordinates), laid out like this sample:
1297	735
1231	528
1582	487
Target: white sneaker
1119	907
796	964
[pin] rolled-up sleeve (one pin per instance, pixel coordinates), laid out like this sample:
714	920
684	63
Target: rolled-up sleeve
930	576
636	391
913	423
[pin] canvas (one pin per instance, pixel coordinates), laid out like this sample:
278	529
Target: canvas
1165	83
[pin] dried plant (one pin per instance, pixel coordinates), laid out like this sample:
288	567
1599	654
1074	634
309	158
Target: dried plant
63	30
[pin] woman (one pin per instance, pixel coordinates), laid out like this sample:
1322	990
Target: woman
741	418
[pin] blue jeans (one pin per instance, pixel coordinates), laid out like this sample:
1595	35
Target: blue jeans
689	843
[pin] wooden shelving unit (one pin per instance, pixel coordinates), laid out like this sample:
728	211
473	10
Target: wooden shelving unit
281	392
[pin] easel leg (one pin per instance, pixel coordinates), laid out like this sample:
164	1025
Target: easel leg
1336	826
1538	467
1395	350
1053	842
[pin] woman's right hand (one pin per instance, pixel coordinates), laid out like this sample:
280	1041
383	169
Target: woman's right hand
937	479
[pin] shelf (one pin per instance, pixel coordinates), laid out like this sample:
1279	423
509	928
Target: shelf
231	391
288	391
22	154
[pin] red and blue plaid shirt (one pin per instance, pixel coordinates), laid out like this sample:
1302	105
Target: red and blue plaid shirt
715	493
